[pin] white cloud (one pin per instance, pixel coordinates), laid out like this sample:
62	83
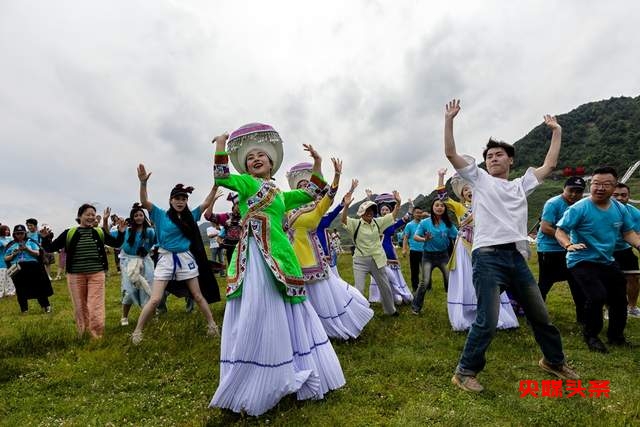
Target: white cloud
90	89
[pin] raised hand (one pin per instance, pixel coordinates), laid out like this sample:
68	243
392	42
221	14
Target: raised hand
442	172
122	224
369	193
312	152
396	196
452	109
347	199
219	192
107	212
143	176
551	122
354	185
337	165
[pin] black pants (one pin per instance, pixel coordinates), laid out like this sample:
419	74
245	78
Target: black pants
228	249
415	263
553	268
602	284
24	302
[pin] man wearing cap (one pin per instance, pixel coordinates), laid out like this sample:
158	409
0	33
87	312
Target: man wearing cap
589	230
551	256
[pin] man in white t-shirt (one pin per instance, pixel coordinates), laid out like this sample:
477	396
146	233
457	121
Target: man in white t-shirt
499	249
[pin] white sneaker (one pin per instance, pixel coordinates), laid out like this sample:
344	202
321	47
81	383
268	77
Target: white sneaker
136	337
124	321
633	312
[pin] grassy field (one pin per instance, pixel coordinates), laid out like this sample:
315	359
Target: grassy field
398	372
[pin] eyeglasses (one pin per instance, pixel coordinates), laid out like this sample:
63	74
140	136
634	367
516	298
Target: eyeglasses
603	185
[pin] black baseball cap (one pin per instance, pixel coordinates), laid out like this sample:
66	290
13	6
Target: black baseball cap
575	181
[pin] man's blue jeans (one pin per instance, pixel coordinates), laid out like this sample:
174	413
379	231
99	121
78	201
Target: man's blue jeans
494	270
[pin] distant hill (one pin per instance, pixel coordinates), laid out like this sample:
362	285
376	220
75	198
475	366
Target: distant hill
594	134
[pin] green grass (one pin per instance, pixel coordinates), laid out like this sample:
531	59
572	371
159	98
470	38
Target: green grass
398	372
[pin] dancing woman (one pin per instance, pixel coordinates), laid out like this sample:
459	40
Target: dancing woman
136	266
273	343
180	250
461	297
436	232
401	293
342	309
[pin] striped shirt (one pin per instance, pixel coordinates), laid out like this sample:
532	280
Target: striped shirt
86	258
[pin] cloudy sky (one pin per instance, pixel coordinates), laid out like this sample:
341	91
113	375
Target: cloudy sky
90	89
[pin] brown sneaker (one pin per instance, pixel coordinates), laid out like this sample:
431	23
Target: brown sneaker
467	383
561	371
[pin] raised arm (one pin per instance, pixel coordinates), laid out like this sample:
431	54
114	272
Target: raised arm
143	176
451	110
441	173
210	200
317	160
551	159
348	198
106	214
396	209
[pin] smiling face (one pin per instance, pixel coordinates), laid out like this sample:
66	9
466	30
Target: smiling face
303	183
258	163
467	193
498	162
87	218
138	218
368	214
384	210
179	202
438	208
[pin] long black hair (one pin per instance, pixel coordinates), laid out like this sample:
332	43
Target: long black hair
132	225
184	221
444	217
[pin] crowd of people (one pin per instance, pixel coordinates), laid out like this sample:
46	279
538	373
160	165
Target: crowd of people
286	299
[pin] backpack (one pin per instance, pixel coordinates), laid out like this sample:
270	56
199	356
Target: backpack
355	234
72	231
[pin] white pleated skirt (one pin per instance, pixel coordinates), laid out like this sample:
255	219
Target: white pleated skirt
342	309
462	303
271	348
399	289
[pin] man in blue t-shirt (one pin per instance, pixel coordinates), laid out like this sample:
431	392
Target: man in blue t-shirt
623	253
413	247
588	231
551	256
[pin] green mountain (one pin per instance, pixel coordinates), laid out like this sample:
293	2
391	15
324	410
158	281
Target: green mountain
594	134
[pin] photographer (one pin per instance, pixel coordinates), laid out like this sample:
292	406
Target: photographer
31	280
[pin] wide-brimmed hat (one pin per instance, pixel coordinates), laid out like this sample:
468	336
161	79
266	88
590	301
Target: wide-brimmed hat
366	205
457	182
386	199
254	136
300	172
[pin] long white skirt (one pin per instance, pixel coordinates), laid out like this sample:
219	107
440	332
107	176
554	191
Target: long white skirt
342	309
7	288
399	289
271	348
462	303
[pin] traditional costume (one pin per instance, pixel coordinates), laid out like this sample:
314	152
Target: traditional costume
273	343
342	309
